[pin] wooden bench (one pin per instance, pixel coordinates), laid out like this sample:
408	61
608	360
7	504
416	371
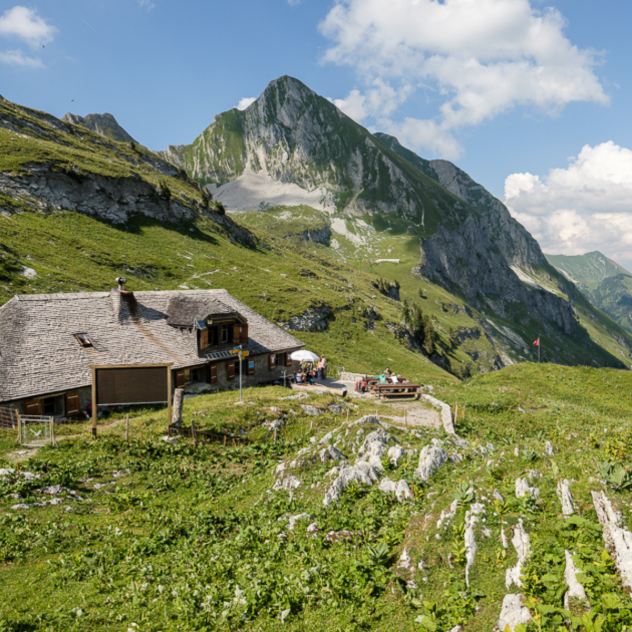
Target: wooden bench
391	391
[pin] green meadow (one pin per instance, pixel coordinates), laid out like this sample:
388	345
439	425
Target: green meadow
154	536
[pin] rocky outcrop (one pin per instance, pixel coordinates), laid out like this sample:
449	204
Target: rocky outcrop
104	124
314	318
318	235
111	199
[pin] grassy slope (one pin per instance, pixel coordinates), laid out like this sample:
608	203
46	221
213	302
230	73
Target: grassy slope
190	539
42	139
588	270
605	283
372	238
72	252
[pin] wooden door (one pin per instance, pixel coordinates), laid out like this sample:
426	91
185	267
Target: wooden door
73	406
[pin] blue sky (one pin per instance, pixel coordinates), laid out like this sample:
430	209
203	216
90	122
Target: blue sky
531	98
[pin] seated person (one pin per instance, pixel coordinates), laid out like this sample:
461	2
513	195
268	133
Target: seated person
299	379
394	379
388	372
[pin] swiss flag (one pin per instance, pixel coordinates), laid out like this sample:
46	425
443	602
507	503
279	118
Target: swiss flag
536	343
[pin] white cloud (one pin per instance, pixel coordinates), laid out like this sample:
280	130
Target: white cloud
245	102
478	58
18	58
294	3
146	4
27	25
586	206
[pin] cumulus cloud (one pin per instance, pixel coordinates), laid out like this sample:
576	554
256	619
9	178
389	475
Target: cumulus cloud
146	4
584	207
475	59
245	102
26	24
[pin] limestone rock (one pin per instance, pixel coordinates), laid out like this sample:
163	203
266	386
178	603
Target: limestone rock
400	488
431	458
564	494
513	613
522	544
362	473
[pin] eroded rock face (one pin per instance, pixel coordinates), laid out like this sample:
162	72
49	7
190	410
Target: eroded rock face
112	199
315	318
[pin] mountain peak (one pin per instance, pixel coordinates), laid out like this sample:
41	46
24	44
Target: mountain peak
104	124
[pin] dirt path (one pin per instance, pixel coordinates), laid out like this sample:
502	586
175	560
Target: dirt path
413	414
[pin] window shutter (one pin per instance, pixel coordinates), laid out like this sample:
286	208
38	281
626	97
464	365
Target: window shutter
288	359
272	362
204	339
73	406
211	373
230	369
32	407
244	333
181	379
237	334
251	367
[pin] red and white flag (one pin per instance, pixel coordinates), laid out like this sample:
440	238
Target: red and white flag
536	343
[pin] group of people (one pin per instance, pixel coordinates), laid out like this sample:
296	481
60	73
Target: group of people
309	374
387	377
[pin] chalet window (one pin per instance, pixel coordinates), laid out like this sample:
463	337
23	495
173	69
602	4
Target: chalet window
225	333
280	359
204	339
230	370
83	340
251	367
73	404
32	407
48	406
272	362
181	379
240	333
211	373
184	377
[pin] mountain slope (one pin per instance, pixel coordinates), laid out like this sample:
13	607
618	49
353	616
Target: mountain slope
104	124
604	282
77	210
377	196
587	271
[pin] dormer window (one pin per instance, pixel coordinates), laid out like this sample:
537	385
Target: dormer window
83	340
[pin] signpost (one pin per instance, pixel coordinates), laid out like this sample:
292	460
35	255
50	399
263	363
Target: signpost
242	354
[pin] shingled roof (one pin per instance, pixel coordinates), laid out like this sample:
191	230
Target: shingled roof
183	311
39	352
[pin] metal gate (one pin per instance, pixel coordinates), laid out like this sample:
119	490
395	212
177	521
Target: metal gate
36	431
9	419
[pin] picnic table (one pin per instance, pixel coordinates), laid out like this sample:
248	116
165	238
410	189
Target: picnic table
391	391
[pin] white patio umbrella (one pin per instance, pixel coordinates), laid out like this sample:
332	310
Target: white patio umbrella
304	356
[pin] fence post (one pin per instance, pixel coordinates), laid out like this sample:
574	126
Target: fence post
127	427
52	431
19	427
